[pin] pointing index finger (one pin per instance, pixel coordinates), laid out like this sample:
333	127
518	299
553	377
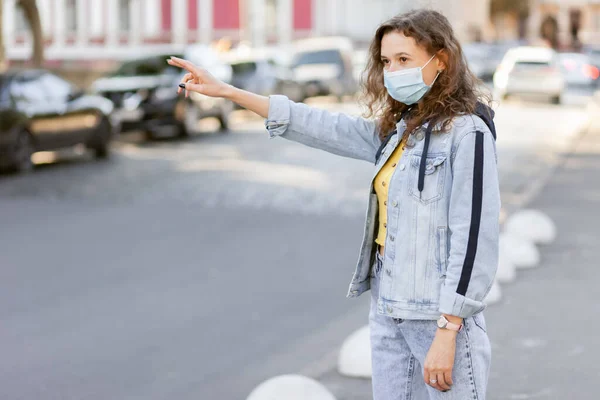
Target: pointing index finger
185	64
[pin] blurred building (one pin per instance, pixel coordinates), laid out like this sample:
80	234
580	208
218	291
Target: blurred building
98	29
571	18
358	19
114	29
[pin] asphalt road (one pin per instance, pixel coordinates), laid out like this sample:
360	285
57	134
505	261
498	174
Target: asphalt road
197	269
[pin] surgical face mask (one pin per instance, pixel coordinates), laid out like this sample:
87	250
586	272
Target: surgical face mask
407	85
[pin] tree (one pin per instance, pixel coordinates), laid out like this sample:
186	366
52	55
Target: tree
518	8
549	31
32	15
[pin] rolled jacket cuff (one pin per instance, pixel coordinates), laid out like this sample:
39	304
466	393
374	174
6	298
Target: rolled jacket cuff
279	115
452	303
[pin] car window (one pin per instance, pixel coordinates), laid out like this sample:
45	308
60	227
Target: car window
150	66
318	57
531	65
244	68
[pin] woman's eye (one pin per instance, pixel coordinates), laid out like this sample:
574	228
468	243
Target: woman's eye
385	62
403	60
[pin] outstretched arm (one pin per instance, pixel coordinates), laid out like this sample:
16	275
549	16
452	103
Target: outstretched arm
336	133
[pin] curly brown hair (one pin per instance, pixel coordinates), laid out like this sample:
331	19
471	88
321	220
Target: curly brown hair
456	91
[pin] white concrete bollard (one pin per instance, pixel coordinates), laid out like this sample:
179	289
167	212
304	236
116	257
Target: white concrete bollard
533	225
290	387
494	295
355	355
519	250
506	269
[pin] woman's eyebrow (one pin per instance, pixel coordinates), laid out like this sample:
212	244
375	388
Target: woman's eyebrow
402	53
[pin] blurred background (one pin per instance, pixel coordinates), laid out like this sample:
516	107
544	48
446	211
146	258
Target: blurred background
155	246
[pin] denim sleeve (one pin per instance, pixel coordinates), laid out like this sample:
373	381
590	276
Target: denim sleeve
336	133
473	224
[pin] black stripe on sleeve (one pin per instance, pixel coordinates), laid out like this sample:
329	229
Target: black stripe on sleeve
467	269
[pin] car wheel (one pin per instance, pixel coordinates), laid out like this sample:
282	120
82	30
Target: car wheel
21	152
225	117
149	135
102	152
104	134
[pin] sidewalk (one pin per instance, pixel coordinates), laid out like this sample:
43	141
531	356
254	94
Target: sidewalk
545	331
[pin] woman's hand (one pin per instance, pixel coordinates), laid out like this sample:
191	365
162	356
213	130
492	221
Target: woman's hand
199	80
440	360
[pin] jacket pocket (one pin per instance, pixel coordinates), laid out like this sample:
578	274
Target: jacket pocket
434	179
442	238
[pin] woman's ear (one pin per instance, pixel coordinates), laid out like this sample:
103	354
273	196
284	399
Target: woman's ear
442	60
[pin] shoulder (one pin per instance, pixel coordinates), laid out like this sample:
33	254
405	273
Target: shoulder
468	125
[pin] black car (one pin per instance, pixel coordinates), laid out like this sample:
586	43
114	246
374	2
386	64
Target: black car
40	111
144	92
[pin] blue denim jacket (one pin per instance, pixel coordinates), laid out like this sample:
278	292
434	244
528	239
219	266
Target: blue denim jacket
441	249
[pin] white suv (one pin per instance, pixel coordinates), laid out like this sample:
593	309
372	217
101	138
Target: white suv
530	70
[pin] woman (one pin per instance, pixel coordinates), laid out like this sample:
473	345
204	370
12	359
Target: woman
430	247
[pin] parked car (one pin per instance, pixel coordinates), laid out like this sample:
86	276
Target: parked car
286	83
40	111
579	71
483	59
323	66
144	91
593	53
530	70
261	71
252	70
360	59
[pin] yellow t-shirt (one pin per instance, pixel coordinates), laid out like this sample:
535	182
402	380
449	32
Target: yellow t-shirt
382	183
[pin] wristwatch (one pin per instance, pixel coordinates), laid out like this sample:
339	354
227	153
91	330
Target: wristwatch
443	323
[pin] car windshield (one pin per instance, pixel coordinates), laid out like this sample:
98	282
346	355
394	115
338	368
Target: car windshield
318	57
244	68
531	64
146	67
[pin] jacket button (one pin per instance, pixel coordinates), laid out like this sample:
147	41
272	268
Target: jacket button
389	309
385	203
394	164
385	225
402	166
395	203
383	183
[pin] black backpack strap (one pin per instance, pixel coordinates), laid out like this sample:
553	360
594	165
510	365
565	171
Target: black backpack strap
383	144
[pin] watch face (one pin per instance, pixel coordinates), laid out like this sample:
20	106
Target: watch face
442	322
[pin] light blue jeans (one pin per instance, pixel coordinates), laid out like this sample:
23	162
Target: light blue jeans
399	348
